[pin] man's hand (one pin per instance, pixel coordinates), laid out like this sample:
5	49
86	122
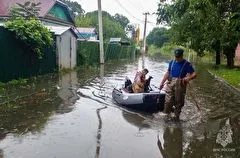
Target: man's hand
185	80
161	86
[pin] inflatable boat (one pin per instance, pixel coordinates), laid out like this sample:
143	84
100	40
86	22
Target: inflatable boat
151	101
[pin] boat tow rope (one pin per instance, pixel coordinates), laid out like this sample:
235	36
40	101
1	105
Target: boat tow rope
194	98
158	98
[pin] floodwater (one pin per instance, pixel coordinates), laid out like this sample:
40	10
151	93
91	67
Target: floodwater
73	116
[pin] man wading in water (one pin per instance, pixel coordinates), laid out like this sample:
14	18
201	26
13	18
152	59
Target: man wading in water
180	72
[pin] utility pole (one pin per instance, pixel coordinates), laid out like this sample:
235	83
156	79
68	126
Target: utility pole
100	32
144	33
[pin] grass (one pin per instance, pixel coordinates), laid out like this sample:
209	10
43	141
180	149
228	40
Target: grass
167	51
15	82
232	76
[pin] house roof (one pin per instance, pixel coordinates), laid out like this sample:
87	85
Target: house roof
85	29
46	5
59	30
115	40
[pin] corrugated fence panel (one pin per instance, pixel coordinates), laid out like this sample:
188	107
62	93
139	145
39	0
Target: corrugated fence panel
88	52
16	60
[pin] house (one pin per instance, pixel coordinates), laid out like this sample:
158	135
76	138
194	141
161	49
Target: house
118	41
237	55
86	33
52	12
115	40
56	16
65	39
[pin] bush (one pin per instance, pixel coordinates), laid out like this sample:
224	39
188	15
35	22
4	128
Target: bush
32	33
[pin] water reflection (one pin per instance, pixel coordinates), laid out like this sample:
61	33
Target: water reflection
31	105
34	103
172	146
101	94
135	120
99	134
1	153
102	82
2	136
220	139
68	85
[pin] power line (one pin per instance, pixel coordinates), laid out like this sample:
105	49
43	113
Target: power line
142	21
128	11
134	6
141	3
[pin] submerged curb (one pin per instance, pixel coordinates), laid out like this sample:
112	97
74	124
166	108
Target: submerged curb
234	89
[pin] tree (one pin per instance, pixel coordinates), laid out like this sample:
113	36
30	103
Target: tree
132	31
123	20
75	7
83	21
111	27
158	36
26	10
205	25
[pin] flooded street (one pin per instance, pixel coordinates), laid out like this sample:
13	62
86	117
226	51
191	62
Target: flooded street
74	116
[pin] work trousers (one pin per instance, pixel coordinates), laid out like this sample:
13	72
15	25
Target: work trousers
175	96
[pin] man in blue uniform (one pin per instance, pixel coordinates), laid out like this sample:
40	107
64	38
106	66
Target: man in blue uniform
180	72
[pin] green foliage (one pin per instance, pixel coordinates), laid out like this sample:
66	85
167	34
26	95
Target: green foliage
232	76
28	28
111	27
133	32
117	51
157	37
123	20
18	81
15	82
76	8
32	33
87	53
26	10
167	49
202	24
152	50
83	21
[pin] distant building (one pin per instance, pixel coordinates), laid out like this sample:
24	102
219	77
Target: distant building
118	41
65	46
52	12
56	16
86	33
237	55
115	40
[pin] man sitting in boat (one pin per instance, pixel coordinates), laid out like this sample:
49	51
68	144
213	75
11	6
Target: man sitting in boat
140	83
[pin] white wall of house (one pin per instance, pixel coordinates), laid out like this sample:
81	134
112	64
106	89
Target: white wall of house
74	51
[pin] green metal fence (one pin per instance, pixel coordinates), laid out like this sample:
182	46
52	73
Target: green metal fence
116	51
16	60
88	52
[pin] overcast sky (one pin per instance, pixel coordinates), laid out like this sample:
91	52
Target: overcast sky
132	9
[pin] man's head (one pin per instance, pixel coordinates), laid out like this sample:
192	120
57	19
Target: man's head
178	52
145	71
